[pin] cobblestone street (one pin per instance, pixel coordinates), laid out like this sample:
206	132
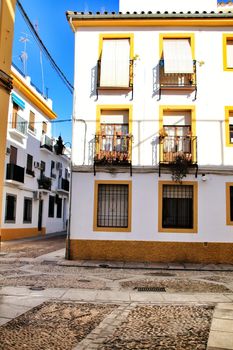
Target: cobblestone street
48	302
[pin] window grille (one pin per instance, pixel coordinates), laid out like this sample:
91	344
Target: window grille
112	210
177	206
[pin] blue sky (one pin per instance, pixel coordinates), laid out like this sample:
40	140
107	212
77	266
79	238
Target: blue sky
59	40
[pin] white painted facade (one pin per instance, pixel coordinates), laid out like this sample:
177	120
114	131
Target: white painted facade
214	154
26	143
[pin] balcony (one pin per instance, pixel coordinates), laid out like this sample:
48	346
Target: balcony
14	174
173	148
113	150
19	126
44	183
46	144
63	185
116	86
177	81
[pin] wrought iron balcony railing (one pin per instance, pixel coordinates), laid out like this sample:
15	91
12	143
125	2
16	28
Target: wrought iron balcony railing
113	149
46	143
14	172
171	147
116	86
44	183
19	124
63	184
181	81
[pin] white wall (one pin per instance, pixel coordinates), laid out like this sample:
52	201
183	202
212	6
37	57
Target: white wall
211	209
167	5
209	105
31	145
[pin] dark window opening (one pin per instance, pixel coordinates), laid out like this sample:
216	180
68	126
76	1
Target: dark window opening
29	169
51	206
112	210
59	207
10	208
27	211
177	206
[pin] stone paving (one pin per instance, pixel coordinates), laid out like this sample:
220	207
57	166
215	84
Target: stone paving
188	287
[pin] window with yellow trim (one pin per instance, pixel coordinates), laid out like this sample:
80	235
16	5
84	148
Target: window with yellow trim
229	126
178	207
229	203
177	65
112	206
114	140
115	61
228	51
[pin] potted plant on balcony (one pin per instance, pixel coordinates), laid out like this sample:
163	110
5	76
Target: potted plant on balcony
162	134
179	168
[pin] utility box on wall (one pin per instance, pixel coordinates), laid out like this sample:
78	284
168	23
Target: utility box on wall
167	5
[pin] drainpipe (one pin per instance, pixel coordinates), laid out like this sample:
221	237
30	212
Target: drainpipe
71	178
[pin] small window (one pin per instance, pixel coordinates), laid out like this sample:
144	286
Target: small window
177	207
29	169
59	207
27	211
44	127
51	206
52	174
228	51
31	125
113	206
10	209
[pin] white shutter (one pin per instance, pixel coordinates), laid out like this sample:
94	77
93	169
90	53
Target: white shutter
114	117
122	62
115	63
230	53
177	55
177	118
107	77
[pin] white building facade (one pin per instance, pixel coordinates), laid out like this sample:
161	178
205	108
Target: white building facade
152	163
36	189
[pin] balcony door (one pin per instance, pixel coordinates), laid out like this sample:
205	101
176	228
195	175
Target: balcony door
13	155
177	129
114	132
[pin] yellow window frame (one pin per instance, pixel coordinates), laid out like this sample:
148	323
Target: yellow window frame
228	203
228	110
195	207
177	108
189	36
112	229
225	38
129	36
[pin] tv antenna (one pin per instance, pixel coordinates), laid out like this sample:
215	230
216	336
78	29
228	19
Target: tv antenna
24	56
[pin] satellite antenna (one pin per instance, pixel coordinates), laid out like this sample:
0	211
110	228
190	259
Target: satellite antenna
24	56
36	26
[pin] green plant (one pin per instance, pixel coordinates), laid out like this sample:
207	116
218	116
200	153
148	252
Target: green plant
179	168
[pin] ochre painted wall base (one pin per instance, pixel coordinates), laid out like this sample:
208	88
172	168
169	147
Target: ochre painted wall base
8	234
142	251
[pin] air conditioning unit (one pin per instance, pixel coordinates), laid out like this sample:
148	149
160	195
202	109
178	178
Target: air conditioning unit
36	195
37	165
